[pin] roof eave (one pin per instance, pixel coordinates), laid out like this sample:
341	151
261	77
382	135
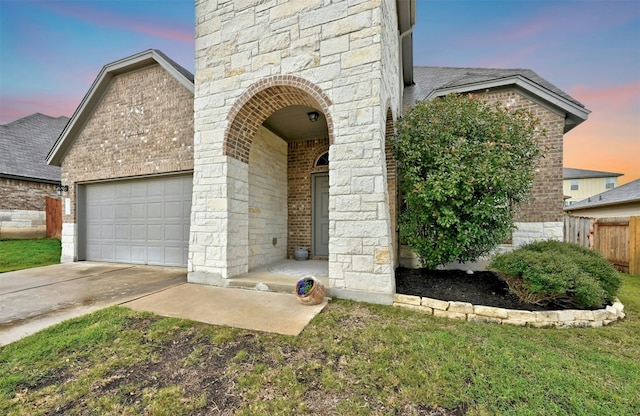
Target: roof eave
98	88
600	205
574	114
30	179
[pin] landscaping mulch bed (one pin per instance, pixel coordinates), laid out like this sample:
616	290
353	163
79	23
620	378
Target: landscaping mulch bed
480	288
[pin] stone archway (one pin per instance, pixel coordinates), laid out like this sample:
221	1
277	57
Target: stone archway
263	99
276	222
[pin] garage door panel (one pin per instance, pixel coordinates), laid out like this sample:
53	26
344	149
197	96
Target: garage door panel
155	255
106	231
138	211
139	221
138	232
123	212
173	210
155	211
173	232
138	254
155	233
107	211
123	231
107	252
173	255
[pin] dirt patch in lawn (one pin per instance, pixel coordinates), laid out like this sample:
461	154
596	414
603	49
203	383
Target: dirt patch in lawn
480	288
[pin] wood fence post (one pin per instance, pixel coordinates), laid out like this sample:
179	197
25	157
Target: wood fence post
634	245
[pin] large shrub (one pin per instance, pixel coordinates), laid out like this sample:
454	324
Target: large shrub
465	165
564	273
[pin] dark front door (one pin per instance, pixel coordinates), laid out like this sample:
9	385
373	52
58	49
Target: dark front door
320	215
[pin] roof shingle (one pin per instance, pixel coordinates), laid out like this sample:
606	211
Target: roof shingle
25	144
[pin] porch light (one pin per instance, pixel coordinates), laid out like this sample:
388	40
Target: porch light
62	188
313	116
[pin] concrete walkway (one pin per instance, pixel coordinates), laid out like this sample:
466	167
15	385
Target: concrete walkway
279	313
34	299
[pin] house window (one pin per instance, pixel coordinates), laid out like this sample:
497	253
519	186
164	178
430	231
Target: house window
323	160
610	183
574	184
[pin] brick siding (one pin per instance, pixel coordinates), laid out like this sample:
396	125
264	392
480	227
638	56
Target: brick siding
302	156
546	198
24	195
142	126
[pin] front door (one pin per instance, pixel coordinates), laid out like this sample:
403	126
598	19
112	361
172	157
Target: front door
320	215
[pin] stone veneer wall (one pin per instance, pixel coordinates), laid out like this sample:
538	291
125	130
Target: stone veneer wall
253	58
302	157
267	199
142	126
22	208
570	318
22	224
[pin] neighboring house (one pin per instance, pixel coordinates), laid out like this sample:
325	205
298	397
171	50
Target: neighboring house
25	178
623	201
579	184
127	157
541	217
292	108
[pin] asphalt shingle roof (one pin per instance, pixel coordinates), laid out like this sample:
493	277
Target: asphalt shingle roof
571	173
629	192
25	144
188	75
430	78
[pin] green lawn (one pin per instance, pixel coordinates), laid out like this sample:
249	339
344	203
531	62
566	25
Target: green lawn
24	254
353	359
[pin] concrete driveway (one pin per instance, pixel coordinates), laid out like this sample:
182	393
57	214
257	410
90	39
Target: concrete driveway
33	299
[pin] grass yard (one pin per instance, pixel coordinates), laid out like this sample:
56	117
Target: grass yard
353	359
24	254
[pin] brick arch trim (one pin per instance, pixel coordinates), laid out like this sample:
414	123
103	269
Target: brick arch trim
261	100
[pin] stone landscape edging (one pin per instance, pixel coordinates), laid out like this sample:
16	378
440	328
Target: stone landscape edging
567	318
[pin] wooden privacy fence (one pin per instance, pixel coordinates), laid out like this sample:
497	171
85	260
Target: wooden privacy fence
54	217
618	239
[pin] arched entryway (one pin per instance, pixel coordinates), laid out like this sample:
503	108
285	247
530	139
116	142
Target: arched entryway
279	128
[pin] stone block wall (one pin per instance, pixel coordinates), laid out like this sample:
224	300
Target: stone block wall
253	58
267	199
22	208
22	224
142	126
465	311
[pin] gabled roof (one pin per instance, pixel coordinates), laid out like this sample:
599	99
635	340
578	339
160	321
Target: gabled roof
623	194
25	143
431	82
100	85
571	173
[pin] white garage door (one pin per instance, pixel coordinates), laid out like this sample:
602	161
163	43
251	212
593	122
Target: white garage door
138	221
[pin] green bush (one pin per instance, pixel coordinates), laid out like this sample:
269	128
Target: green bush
465	167
548	271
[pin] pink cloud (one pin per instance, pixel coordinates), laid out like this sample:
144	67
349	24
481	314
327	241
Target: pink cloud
610	139
617	98
14	108
105	18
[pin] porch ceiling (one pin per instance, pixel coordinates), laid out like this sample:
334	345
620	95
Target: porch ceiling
292	124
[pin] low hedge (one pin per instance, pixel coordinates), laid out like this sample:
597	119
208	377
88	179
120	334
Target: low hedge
563	273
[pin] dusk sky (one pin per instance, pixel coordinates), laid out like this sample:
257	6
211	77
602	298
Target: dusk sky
51	51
